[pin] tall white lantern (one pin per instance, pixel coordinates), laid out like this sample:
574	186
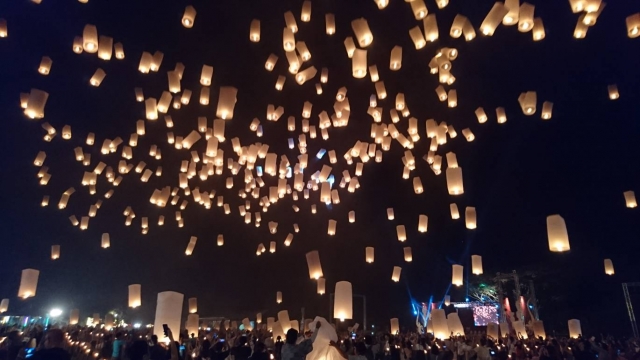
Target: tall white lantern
313	262
321	286
363	33
476	264
359	64
284	320
343	301
135	295
457	275
55	252
189	17
369	254
279	297
408	257
575	330
422	223
557	234
28	283
440	325
394	326
227	99
395	276
4	305
401	232
454	181
74	316
608	267
630	199
470	217
193	305
538	329
168	311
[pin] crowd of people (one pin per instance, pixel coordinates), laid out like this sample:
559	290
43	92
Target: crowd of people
88	343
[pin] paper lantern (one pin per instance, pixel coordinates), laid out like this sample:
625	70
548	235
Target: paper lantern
519	329
97	77
575	330
580	31
369	254
168	311
632	21
288	40
395	63
191	245
74	316
359	64
45	65
613	92
118	48
395	276
3	32
34	108
547	110
525	19
476	264
454	324
279	297
447	300
440	324
28	283
452	98
470	217
513	7
227	99
321	286
331	230
538	329
538	29
306	74
430	28
284	321
456	275
363	33
193	305
557	234
608	267
135	295
330	22
493	331
504	329
401	232
343	301
422	223
55	252
454	181
90	39
189	17
408	257
394	326
417	37
105	47
630	199
315	267
493	18
390	214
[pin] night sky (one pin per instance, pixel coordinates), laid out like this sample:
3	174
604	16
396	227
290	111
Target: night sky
578	164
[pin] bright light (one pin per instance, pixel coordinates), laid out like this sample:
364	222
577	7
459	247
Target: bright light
55	312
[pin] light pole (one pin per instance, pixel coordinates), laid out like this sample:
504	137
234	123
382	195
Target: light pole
364	308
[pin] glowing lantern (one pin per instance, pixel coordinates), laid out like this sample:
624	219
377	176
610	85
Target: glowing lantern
105	47
254	30
174	81
331	230
3	34
330	22
39	160
452	98
455	325
547	110
395	63
557	234
525	19
457	25
28	283
288	40
97	77
394	326
118	48
313	262
373	72
34	108
227	99
513	7
193	305
45	65
206	75
408	257
321	286
493	18
74	316
168	311
189	17
192	244
419	9
575	330
55	252
538	29
204	96
447	300
476	264
90	39
401	233
470	217
359	64
343	301
468	135
306	74
633	26
468	31
613	92
417	37
431	28
456	275
528	102
369	254
581	28
363	33
440	325
608	267
454	180
538	329
279	297
105	241
381	90
395	276
417	185
630	199
390	215
422	223
135	298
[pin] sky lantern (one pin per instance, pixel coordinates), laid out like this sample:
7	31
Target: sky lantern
363	33
557	234
369	254
28	283
538	29
476	264
547	110
193	305
419	9
632	21
575	330
330	23
254	30
305	12
395	63
321	289
630	199
457	275
580	31
189	17
279	297
45	65
470	217
227	99
135	295
205	75
343	301
401	232
90	39
284	320
74	316
394	326
408	257
481	115
331	230
168	311
430	28
513	7
313	262
422	223
105	47
440	325
395	276
34	108
613	92
390	214
417	37
359	64
191	245
454	181
493	18
288	40
3	28
525	19
608	267
118	48
538	329
55	252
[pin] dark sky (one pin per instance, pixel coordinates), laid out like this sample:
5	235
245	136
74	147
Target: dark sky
578	164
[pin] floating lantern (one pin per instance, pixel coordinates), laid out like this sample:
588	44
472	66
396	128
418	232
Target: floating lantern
395	276
430	28
390	215
290	21
632	21
440	325
501	115
254	30
408	257
394	326
321	286
74	316
613	92
608	267
395	62
288	40
630	199
206	74
105	47
279	297
118	48
369	254
313	262
305	13
525	19
452	97
454	180
513	7
3	34
468	135
45	65
227	99
373	72
557	234
97	77
575	330
174	81
343	301
36	102
538	329
476	264
493	18
28	283
547	110
363	33
456	275
90	39
168	311
330	22
470	217
204	96
401	232
581	28
538	29
135	298
359	64
193	305
189	17
417	185
457	25
417	37
331	230
145	62
191	245
77	45
55	252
